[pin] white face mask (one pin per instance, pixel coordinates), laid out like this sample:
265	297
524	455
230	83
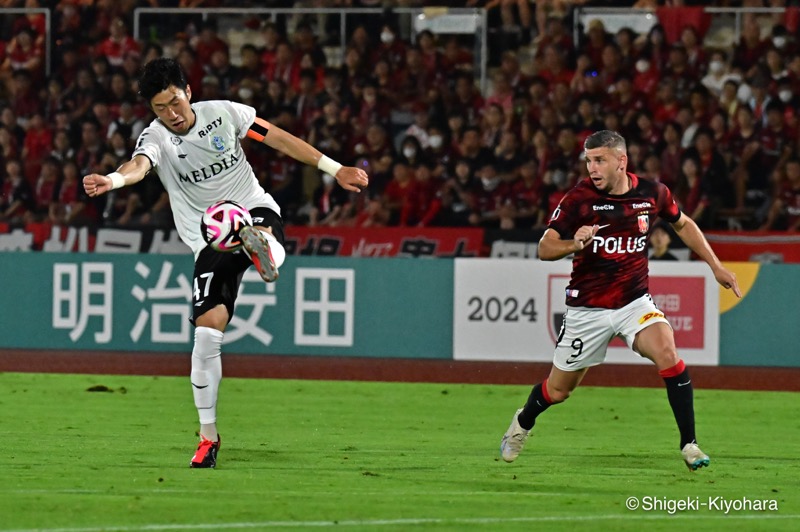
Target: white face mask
715	67
387	37
245	93
490	183
409	152
328	179
435	141
642	66
779	42
785	95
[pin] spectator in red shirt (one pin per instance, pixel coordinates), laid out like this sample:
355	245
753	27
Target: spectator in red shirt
555	68
555	33
38	143
46	189
526	198
117	44
784	211
25	96
272	38
692	192
399	193
207	42
285	68
667	103
422	208
22	53
72	206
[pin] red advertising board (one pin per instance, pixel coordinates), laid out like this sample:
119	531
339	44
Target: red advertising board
384	241
758	247
682	299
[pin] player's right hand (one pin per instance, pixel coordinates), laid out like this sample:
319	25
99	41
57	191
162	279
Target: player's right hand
96	184
584	235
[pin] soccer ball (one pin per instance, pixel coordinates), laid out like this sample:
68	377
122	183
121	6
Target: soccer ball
221	224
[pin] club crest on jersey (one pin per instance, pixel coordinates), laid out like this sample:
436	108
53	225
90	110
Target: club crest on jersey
644	223
177	141
219	144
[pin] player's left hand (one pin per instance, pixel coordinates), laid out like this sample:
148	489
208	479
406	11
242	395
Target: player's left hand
727	279
352	178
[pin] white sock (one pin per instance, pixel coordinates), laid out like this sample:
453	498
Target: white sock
275	247
206	376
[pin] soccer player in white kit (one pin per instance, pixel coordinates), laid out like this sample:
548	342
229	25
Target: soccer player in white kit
196	151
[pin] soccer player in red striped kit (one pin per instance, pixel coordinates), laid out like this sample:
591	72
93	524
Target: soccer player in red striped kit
605	221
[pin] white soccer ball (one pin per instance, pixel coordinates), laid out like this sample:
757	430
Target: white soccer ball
221	224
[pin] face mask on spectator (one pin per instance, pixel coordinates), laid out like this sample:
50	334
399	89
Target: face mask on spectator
387	37
245	93
785	95
435	141
716	67
642	66
328	179
490	183
779	42
409	152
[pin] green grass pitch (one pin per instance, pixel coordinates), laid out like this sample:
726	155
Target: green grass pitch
383	456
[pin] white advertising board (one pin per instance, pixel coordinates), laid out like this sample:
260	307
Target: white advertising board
511	310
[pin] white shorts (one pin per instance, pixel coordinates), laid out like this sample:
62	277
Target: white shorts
586	333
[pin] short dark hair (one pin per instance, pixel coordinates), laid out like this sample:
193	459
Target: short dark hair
158	75
605	139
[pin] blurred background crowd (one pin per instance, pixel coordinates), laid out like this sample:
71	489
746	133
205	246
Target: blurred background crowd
718	125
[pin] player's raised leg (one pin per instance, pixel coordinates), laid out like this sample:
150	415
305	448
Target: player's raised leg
555	389
657	343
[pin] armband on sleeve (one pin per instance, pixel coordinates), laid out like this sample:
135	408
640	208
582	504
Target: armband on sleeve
258	130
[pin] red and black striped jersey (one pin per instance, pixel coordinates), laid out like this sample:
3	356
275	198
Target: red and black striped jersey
612	270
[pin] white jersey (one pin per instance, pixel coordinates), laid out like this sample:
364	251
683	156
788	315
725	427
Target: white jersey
204	165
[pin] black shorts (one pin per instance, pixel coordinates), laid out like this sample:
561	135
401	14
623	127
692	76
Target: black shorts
217	276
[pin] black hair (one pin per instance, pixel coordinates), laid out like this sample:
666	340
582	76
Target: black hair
158	75
605	139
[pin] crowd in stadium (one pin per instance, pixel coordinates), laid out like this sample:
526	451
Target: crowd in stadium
718	126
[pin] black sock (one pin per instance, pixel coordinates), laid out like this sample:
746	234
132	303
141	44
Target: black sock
536	405
681	399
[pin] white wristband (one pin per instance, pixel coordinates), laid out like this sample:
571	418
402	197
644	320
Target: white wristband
117	180
328	165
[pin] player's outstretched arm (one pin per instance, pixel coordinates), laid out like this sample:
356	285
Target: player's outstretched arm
551	247
348	177
129	173
691	235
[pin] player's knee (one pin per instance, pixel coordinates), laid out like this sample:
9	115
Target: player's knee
558	395
666	356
